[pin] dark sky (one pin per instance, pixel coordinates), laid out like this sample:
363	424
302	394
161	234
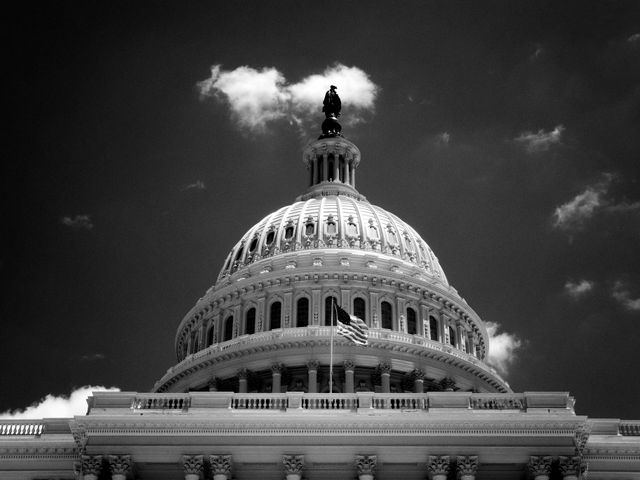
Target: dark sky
108	239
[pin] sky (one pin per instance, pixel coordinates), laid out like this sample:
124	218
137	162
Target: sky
145	138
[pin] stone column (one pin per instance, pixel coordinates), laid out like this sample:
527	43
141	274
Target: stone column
336	168
466	467
220	466
293	466
540	467
353	177
213	384
418	381
347	168
91	466
192	465
349	367
120	465
276	377
385	376
312	365
366	466
571	468
438	467
243	373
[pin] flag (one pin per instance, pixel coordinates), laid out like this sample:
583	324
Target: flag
352	327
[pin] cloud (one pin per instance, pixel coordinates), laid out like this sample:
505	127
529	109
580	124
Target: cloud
198	185
258	97
573	214
541	141
502	347
443	139
634	39
578	289
92	357
78	222
538	52
63	406
622	294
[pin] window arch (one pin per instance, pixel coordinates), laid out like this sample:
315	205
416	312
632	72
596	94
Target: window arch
452	336
433	329
329	302
386	314
412	321
302	312
210	333
360	308
250	321
275	315
228	328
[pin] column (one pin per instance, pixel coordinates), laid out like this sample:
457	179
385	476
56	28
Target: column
418	381
471	348
119	465
276	377
571	468
353	177
220	466
540	467
312	366
336	168
385	376
438	467
243	373
347	168
349	367
459	334
293	466
192	465
91	466
466	467
442	327
366	466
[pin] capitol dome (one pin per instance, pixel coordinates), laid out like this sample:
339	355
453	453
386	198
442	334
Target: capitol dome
266	323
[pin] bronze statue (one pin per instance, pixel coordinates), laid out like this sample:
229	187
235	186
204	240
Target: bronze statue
331	103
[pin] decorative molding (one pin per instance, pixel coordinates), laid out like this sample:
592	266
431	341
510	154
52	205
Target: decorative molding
91	464
581	437
540	466
439	464
349	364
384	367
293	463
366	464
192	464
119	464
220	464
313	364
466	466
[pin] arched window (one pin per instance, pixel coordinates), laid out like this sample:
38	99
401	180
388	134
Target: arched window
331	168
331	228
275	315
270	237
253	244
360	308
412	321
250	322
309	229
228	328
320	168
352	229
288	233
302	312
452	336
386	315
210	333
373	232
433	329
329	302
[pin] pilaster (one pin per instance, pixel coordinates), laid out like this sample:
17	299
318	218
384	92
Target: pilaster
276	377
243	373
418	381
312	366
385	376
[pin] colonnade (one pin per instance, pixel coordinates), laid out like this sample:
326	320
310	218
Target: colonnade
438	467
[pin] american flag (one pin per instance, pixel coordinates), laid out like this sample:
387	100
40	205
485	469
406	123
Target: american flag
352	327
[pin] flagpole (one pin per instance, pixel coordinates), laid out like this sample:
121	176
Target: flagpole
331	352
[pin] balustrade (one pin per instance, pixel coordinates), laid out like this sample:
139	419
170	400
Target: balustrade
21	427
260	401
161	402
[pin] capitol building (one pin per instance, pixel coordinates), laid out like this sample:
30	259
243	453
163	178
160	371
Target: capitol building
264	386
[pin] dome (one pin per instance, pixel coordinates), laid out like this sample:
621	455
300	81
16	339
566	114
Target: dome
334	222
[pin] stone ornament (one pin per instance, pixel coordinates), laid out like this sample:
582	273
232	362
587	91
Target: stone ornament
119	465
540	467
91	466
571	468
293	466
313	364
466	467
438	466
366	466
277	368
581	437
243	373
349	365
192	465
385	367
220	466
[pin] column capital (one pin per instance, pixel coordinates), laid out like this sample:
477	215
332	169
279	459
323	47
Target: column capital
366	464
313	364
466	466
571	466
277	368
349	364
242	373
384	367
119	464
192	464
438	464
293	463
91	464
540	466
418	374
220	464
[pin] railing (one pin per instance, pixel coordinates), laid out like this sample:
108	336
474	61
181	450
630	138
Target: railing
630	428
161	402
402	401
257	401
21	427
335	401
497	402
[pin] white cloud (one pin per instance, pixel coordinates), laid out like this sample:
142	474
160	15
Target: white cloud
578	289
573	214
443	139
259	97
538	52
78	222
53	406
541	141
622	294
635	38
502	347
197	185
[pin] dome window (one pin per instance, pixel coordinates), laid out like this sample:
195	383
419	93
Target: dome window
329	303
250	322
412	322
393	239
275	315
452	336
433	329
270	237
386	313
373	233
332	228
360	309
309	229
352	229
228	328
302	312
253	245
288	233
239	254
210	336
